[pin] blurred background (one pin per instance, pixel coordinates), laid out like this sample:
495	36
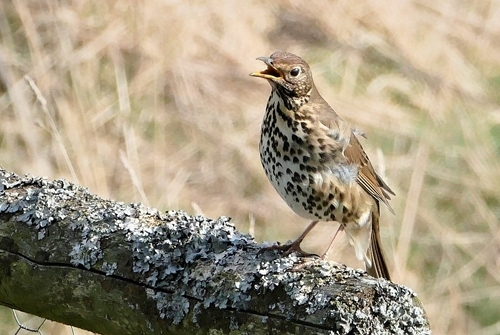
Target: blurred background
150	101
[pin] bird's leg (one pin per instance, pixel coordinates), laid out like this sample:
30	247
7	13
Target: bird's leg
295	245
325	255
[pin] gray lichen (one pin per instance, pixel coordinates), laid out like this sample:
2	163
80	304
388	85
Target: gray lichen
189	264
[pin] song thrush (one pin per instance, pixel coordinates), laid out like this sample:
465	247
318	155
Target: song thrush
315	162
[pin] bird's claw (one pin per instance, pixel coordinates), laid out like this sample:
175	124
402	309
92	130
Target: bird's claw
288	249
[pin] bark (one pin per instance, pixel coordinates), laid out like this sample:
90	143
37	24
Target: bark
115	268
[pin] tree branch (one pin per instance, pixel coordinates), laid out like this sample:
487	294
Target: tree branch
70	256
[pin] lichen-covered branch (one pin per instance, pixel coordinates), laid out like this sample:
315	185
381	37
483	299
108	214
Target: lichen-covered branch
113	268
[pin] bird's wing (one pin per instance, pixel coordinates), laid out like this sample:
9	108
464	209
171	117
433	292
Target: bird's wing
367	177
354	153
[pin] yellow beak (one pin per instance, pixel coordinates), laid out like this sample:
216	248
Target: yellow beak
270	73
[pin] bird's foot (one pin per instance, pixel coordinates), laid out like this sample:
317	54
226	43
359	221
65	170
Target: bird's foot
325	254
306	263
330	247
288	249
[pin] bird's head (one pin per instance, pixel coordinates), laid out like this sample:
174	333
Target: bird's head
289	75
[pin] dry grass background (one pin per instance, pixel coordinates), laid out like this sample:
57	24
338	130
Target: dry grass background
150	101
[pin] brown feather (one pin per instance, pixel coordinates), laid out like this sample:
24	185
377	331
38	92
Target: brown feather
371	182
378	267
367	177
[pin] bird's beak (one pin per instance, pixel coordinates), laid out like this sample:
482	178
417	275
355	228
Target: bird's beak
270	73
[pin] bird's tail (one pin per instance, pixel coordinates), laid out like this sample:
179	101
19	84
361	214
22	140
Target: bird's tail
378	267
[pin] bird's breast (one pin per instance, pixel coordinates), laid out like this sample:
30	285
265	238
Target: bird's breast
308	172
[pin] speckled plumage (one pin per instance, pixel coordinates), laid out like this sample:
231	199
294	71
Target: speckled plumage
314	160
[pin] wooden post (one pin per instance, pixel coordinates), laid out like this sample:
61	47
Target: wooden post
115	268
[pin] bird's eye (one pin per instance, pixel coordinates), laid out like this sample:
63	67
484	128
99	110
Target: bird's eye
295	72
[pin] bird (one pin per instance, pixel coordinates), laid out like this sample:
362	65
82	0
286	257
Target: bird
316	163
